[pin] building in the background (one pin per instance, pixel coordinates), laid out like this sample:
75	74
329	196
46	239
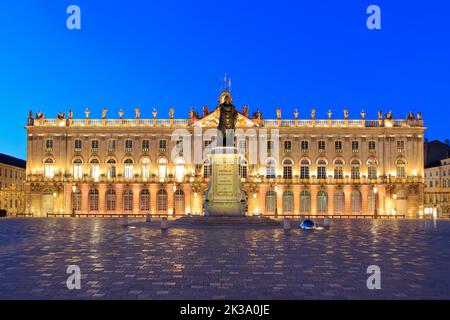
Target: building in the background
437	178
304	166
12	184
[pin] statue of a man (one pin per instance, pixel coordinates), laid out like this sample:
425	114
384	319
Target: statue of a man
227	118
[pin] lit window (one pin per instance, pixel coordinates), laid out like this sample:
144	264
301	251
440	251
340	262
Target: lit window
304	169
400	146
304	146
321	169
78	169
162	169
401	168
270	169
162	145
128	145
321	146
207	169
111	145
145	145
95	170
146	169
372	146
94	145
128	169
287	169
338	146
49	169
48	145
287	146
111	169
78	145
355	169
355	146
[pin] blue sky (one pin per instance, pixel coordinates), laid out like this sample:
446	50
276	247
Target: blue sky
291	54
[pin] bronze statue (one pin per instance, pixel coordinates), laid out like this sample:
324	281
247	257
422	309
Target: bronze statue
227	118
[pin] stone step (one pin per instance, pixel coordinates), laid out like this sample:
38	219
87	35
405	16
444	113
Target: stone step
262	221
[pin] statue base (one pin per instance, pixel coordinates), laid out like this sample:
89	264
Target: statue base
224	196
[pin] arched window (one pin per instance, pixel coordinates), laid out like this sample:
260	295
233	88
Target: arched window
243	169
287	169
271	201
162	169
110	200
321	169
146	169
179	201
111	169
128	200
145	200
356	201
49	172
304	169
372	169
339	202
270	169
338	169
322	203
179	169
355	169
76	200
401	168
128	169
95	170
288	201
78	169
93	200
161	200
305	201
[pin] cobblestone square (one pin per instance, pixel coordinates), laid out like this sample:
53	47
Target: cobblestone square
226	262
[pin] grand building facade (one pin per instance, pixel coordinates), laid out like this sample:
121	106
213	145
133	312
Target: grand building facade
12	184
288	166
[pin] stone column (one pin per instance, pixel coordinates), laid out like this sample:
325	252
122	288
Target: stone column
313	192
262	197
365	200
170	199
330	191
101	198
280	192
68	199
153	193
296	191
119	198
348	199
136	198
187	189
84	198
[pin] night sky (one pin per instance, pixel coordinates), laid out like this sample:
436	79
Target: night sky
162	53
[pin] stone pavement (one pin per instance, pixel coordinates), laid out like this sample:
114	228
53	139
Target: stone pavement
225	262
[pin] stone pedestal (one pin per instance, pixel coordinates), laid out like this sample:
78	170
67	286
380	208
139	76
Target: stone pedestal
224	196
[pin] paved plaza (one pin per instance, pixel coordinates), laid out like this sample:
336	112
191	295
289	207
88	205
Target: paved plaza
223	262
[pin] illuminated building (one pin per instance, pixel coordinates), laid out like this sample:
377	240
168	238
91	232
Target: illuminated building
310	166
